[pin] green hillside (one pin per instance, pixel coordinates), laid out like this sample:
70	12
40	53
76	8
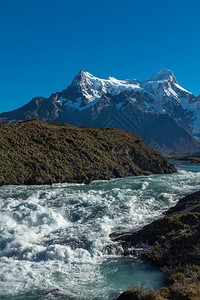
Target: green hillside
35	152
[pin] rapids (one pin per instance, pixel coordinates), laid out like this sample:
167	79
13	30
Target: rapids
51	237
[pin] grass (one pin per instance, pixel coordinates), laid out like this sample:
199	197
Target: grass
35	152
174	244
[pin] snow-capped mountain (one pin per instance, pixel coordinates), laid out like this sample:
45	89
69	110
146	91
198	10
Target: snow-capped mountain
161	94
163	113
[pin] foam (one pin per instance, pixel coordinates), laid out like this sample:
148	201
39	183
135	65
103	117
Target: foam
53	236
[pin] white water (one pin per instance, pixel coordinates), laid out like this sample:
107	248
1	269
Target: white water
52	236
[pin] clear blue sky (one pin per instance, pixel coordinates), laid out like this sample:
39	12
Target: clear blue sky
45	43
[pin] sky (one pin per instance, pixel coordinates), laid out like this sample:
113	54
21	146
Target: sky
45	43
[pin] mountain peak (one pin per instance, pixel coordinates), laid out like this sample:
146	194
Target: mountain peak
82	75
163	74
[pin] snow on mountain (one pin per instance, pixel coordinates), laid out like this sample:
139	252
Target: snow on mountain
91	88
161	94
158	109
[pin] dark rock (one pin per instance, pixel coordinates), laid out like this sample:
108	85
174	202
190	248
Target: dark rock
172	239
54	291
173	243
186	204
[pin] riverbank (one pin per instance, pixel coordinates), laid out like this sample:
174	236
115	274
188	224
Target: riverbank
173	243
191	159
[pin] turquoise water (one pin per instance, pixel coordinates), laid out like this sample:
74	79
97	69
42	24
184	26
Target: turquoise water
52	236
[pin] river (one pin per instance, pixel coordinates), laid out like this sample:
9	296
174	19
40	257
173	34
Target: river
51	237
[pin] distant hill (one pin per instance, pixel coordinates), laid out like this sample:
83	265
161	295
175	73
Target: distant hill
158	109
35	152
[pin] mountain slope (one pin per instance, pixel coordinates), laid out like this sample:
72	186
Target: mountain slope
148	107
35	152
160	93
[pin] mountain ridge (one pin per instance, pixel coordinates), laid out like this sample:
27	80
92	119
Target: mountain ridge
130	104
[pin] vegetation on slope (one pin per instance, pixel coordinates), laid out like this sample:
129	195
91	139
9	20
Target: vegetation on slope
173	243
35	152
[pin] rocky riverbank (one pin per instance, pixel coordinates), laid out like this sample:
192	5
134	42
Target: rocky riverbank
173	243
35	152
191	159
